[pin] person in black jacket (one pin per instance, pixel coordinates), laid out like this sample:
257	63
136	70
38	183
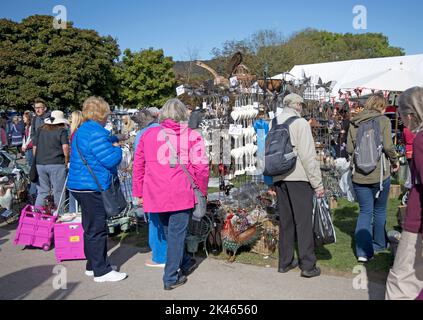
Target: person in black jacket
196	118
41	115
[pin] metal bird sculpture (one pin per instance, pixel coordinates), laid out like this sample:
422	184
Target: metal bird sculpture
306	80
236	60
328	86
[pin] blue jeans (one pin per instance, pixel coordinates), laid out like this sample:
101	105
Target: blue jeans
73	204
157	239
370	234
29	158
175	228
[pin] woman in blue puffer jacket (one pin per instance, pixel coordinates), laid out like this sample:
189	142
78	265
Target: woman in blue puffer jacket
103	155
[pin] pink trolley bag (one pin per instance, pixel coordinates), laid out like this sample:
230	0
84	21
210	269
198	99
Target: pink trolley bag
35	228
68	236
69	241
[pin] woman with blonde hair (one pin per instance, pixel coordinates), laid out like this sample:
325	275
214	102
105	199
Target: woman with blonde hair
128	125
372	189
76	120
93	147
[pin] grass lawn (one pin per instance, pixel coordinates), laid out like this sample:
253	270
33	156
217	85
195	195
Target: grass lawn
338	259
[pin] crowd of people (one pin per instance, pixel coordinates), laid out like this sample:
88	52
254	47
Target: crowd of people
83	155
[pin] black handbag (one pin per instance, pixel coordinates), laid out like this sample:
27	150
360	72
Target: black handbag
113	198
33	172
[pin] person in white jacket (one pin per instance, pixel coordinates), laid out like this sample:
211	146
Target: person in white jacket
295	192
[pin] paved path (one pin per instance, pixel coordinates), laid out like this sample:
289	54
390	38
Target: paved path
28	274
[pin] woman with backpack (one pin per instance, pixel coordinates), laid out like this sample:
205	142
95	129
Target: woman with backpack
374	156
405	281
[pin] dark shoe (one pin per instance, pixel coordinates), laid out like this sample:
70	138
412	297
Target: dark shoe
192	266
293	265
181	281
312	273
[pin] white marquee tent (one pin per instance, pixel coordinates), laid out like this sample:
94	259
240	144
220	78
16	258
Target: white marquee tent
387	74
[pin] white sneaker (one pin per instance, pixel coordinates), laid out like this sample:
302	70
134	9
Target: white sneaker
150	263
112	276
91	273
362	259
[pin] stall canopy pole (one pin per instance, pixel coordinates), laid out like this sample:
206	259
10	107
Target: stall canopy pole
396	120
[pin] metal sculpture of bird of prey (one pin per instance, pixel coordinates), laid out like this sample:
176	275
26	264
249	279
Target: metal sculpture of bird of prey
328	86
236	60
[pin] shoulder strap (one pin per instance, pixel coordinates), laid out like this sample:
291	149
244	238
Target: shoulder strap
191	180
86	164
290	121
275	122
287	122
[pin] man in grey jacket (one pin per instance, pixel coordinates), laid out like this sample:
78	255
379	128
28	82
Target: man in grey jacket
40	115
295	192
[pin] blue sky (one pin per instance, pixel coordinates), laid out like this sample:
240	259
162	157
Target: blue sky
202	25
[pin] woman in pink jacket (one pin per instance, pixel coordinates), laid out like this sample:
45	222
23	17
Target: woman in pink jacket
163	187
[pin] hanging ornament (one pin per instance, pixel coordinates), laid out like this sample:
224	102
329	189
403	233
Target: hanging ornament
358	92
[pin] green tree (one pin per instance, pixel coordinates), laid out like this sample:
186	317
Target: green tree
146	78
269	48
63	66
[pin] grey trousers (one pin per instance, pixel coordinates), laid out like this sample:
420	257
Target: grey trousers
405	281
50	177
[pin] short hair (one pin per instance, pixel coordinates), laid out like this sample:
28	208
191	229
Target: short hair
145	117
96	109
376	102
42	101
175	110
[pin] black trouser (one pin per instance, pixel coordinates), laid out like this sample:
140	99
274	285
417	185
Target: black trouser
94	223
295	206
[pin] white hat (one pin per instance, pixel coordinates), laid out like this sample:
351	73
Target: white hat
56	117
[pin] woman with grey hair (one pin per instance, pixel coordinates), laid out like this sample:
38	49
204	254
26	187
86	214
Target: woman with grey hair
147	119
405	281
162	185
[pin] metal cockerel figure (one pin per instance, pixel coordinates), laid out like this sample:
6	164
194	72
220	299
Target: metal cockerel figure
233	239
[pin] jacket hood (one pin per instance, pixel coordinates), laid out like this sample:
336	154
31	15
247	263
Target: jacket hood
177	127
364	116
